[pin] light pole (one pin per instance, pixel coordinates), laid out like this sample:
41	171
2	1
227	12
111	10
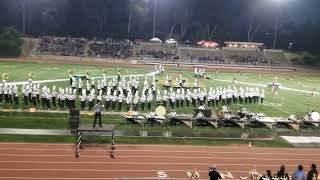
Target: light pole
23	7
275	31
154	18
276	24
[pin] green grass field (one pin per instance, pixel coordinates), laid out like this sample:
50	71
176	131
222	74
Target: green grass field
289	102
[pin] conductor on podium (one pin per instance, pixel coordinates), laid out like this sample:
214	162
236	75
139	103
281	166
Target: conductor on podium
97	115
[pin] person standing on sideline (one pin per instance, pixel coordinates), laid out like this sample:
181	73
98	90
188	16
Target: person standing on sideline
213	173
97	114
299	174
313	173
266	176
282	173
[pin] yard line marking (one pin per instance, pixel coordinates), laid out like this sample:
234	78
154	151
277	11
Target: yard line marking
162	151
168	157
264	86
96	77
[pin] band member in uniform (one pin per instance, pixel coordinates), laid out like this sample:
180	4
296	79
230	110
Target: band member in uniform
143	100
62	98
99	97
59	97
38	92
314	92
71	76
90	101
48	98
43	96
182	97
235	96
262	96
149	100
6	93
223	97
158	97
88	88
165	98
246	95
83	98
128	100
92	83
1	92
194	98
114	100
73	99
178	98
16	95
54	96
80	85
73	83
188	97
210	97
10	93
275	94
108	98
241	95
25	96
136	102
34	96
120	99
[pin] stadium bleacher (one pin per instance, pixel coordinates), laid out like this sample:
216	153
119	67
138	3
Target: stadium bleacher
159	52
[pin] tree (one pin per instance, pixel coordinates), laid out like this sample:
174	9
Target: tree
10	42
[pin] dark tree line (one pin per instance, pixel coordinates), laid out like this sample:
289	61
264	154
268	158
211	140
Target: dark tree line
220	20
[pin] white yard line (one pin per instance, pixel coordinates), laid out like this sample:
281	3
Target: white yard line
63	80
264	86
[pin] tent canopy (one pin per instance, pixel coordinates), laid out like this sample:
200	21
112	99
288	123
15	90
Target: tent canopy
156	40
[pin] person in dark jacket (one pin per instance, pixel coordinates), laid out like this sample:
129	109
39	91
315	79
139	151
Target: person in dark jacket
282	173
266	176
213	173
313	173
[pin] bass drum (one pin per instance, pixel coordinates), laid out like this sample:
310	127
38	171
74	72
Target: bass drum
160	111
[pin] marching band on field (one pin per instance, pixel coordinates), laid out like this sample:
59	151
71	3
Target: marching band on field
117	92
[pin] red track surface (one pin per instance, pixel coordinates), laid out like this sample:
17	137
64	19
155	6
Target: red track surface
57	161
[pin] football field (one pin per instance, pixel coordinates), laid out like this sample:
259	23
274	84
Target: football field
294	95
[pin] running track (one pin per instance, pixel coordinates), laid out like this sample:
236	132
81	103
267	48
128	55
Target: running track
57	161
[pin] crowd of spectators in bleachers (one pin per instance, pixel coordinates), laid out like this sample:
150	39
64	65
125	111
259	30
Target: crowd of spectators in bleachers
253	60
65	46
158	54
111	48
62	46
208	59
